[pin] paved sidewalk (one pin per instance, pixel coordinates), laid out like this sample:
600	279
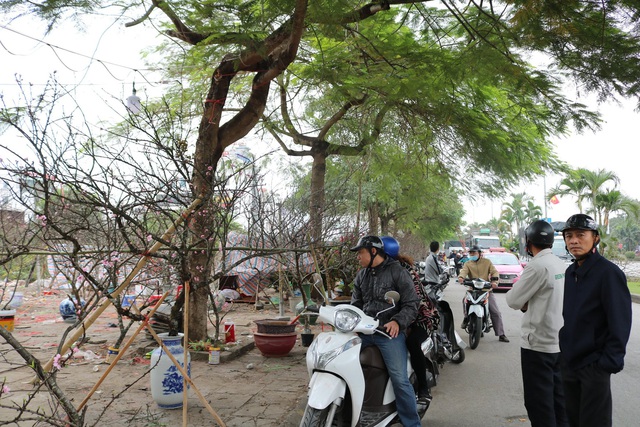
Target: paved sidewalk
245	389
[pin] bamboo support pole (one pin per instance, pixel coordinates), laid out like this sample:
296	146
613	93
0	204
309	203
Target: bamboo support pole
86	323
185	320
184	374
122	351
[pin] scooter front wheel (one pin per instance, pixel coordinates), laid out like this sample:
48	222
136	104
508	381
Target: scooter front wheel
318	417
475	330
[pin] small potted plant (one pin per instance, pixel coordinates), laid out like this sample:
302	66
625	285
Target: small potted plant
306	337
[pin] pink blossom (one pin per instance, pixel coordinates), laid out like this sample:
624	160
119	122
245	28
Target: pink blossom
56	361
5	389
149	237
43	219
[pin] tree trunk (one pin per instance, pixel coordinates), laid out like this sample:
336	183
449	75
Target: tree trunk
317	201
373	219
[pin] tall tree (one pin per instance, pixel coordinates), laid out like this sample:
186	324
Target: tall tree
614	201
570	185
595	183
515	212
587	185
532	212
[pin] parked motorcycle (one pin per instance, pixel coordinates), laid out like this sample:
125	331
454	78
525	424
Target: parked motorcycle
476	303
349	385
449	346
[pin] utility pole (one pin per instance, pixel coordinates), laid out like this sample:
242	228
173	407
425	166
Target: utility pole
544	195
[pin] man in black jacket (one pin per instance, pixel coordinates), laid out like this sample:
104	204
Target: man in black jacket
597	324
380	274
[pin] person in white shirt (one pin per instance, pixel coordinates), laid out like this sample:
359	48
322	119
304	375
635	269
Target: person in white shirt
432	268
539	294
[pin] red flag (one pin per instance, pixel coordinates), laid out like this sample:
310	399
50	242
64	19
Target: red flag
554	200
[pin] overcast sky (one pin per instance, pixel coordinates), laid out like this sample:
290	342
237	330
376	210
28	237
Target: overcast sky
613	148
110	64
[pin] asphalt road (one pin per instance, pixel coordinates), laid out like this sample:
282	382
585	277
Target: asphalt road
486	389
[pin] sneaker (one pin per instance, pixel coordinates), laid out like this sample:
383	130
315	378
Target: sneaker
424	394
424	398
465	322
503	338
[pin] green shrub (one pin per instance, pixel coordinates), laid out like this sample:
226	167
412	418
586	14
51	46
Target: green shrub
630	255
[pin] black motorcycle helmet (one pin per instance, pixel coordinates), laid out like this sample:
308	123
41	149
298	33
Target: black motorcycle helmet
581	222
540	233
476	248
370	242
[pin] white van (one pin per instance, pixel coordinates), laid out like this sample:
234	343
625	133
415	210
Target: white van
559	249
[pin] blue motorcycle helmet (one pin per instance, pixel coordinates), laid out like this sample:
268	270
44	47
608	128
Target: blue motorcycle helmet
391	246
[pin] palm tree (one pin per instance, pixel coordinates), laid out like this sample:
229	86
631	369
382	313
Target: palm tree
532	212
594	183
571	185
614	201
514	212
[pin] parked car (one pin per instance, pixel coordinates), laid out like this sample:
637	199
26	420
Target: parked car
509	267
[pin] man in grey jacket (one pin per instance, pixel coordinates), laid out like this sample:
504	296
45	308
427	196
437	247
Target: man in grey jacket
539	294
378	275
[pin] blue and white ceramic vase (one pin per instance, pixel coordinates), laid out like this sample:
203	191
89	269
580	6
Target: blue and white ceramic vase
166	379
69	307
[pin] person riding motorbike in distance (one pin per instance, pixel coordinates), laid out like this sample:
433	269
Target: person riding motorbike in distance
479	267
378	275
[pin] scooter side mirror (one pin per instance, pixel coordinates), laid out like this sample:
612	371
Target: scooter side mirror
392	297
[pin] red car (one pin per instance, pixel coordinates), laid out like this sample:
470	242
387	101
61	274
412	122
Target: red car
509	267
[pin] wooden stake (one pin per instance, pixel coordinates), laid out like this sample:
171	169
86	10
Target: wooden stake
122	351
185	321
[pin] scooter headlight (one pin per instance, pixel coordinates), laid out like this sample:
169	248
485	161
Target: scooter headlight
346	320
478	284
322	360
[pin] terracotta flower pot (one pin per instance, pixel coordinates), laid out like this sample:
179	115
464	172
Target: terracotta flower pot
274	345
267	326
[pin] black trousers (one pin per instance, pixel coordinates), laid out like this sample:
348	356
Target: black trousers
415	338
543	391
588	396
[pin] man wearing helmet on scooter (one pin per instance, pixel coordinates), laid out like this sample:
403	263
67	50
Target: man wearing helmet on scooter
378	275
539	294
597	324
479	267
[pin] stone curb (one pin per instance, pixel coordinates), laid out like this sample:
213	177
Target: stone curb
226	356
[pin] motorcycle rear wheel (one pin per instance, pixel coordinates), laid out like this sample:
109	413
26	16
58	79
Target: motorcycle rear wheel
475	330
458	356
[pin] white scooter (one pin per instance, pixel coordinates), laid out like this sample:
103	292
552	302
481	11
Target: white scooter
349	386
476	303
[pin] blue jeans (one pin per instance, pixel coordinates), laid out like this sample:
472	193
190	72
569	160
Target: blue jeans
394	353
